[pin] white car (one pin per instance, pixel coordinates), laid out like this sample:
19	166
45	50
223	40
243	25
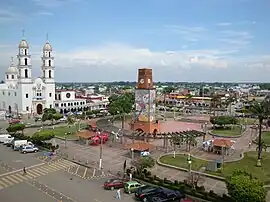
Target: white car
29	149
145	153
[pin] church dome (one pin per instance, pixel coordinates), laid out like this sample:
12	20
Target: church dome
23	44
12	69
47	47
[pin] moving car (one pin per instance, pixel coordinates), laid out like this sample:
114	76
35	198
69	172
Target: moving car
5	137
167	195
114	183
131	186
143	192
28	149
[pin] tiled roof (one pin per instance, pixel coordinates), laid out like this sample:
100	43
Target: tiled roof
222	143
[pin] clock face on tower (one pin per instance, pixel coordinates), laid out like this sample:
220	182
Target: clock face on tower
142	81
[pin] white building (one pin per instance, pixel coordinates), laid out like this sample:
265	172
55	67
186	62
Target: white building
25	95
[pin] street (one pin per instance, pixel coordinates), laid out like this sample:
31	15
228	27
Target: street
50	179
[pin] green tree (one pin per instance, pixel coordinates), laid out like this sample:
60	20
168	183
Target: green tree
190	140
261	111
120	105
242	187
167	90
14	128
176	140
223	120
215	102
42	136
143	163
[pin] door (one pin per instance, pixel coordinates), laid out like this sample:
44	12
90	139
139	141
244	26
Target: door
39	109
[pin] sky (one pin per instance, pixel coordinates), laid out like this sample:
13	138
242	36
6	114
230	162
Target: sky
109	40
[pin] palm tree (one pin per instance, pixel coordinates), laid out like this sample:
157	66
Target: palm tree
176	139
190	140
261	111
215	102
229	100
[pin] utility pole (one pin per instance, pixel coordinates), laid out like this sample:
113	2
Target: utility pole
100	153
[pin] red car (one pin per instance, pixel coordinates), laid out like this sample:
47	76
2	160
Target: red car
104	136
114	184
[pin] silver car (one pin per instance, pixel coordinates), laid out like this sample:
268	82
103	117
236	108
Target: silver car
28	149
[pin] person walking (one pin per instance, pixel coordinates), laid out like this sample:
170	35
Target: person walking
24	171
118	194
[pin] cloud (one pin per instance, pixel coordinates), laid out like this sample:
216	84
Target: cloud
53	3
45	13
235	38
224	24
191	34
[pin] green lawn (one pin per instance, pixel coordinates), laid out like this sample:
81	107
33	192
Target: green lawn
266	137
248	163
234	131
61	130
249	121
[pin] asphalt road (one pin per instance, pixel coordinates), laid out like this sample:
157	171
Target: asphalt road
15	159
80	190
23	192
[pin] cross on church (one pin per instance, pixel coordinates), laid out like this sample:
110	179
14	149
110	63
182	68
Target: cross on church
23	31
47	37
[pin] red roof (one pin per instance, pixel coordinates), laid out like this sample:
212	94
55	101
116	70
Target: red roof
222	142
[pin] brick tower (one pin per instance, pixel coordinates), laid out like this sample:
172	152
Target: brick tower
145	101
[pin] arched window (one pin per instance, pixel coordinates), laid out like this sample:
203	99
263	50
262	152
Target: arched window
7	76
25	61
44	75
49	63
50	73
26	73
49	54
25	51
12	76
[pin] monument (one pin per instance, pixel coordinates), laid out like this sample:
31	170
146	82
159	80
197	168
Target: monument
145	104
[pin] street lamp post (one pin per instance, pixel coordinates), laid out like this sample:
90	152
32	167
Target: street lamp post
65	140
189	163
132	153
100	152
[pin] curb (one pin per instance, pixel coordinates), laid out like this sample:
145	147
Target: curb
224	136
61	138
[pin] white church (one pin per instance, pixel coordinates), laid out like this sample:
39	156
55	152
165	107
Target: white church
23	94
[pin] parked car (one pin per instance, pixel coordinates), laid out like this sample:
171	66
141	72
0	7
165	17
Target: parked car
131	186
143	192
114	183
28	149
167	195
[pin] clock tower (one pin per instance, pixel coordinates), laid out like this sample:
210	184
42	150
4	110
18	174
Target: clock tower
145	104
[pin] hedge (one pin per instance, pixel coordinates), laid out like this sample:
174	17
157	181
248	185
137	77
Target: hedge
46	145
199	192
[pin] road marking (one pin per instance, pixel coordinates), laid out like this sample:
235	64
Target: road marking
77	170
20	176
4	184
15	171
84	174
97	200
15	181
7	181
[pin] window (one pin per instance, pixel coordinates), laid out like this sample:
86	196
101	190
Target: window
15	94
26	73
12	76
7	76
3	92
8	93
50	73
27	108
61	104
44	63
68	95
59	97
25	61
50	106
26	95
50	94
49	54
25	52
44	75
50	63
56	104
55	96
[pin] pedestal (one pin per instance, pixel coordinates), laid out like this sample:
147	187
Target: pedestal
147	127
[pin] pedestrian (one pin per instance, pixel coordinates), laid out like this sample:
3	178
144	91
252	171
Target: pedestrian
118	194
24	171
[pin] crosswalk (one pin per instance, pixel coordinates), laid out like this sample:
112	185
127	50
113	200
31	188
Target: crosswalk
18	177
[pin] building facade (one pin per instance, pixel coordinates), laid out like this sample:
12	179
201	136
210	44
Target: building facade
23	94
